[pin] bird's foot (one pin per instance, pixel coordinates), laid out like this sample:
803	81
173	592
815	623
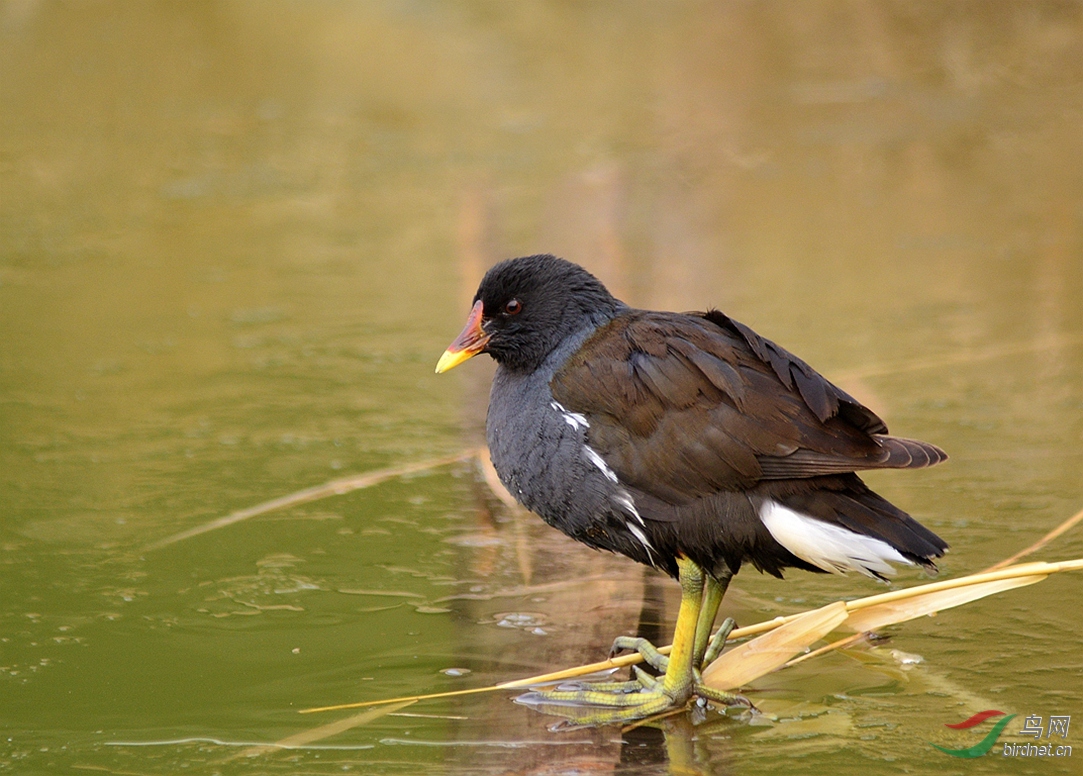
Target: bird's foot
589	704
720	697
714	649
659	662
645	696
646	650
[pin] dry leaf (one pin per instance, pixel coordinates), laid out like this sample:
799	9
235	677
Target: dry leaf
764	654
892	612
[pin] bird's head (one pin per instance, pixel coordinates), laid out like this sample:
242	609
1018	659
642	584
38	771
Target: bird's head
526	307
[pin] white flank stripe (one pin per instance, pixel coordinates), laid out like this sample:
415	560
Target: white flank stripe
624	498
643	540
598	461
573	419
827	546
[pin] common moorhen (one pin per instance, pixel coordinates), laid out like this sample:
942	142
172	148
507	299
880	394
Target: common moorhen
685	441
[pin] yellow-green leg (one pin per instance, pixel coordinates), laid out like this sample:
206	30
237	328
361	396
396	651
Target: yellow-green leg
678	680
714	590
646	696
706	647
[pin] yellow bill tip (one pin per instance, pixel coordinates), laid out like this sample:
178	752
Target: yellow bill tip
451	359
471	341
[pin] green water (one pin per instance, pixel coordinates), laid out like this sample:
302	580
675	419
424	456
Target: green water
235	238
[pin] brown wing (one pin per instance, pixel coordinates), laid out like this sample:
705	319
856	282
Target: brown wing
685	405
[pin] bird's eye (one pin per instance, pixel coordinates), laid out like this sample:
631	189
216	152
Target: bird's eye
513	307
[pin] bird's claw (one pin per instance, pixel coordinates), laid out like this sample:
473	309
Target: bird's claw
589	704
646	695
597	706
646	650
721	697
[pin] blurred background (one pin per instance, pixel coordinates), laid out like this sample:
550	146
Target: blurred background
236	236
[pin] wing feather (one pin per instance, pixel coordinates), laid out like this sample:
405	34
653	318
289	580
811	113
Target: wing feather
683	405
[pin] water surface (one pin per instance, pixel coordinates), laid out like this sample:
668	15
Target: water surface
235	237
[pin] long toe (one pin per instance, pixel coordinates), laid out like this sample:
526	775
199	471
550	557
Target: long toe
614	687
718	642
592	697
722	698
587	708
647	651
